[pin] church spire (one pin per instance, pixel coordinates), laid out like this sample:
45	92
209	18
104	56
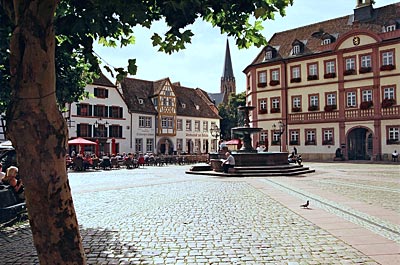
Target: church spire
228	83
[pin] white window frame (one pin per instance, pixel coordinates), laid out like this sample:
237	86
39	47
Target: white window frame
351	99
387	58
367	95
388	93
350	63
331	99
366	61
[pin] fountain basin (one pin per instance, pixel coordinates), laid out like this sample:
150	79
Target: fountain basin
260	159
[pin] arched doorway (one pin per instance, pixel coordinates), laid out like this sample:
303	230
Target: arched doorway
359	143
165	146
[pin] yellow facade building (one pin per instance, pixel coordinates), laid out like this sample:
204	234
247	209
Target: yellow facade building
329	85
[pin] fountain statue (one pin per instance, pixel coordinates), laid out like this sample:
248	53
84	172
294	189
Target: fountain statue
246	131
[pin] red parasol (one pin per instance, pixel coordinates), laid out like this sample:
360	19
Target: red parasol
81	142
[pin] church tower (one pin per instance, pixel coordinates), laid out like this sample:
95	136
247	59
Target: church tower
228	83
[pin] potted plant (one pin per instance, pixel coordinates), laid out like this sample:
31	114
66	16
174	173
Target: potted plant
312	108
329	108
312	77
295	80
310	142
296	109
330	75
349	72
262	84
275	110
387	67
262	111
366	105
388	102
294	142
327	142
392	141
365	70
274	82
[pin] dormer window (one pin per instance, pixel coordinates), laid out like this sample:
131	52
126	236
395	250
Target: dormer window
183	105
296	49
268	55
140	101
390	28
197	107
326	41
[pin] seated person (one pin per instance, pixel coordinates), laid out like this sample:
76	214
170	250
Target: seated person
2	174
11	179
395	156
228	163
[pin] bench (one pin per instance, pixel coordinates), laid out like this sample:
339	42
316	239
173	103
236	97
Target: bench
10	205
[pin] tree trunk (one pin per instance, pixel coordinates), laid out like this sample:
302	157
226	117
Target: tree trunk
39	134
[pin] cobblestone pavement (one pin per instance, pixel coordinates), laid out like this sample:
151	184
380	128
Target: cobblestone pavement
160	215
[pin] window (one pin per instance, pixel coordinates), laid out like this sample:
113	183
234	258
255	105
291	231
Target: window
296	72
393	134
100	111
366	61
390	28
263	104
296	102
148	121
167	122
275	75
138	145
366	95
262	77
83	110
100	92
205	126
275	138
296	49
197	126
388	93
183	105
350	63
314	101
328	137
83	130
116	112
275	105
330	67
197	145
179	126
268	55
142	123
294	137
310	137
263	137
387	58
326	41
351	99
188	125
149	145
313	69
115	131
331	99
140	100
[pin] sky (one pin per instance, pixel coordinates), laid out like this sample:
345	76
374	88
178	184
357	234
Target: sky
200	65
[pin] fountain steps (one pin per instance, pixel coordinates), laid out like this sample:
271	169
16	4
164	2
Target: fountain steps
254	171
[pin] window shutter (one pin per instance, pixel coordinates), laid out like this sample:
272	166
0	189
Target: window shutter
78	130
120	132
106	93
96	92
78	109
90	110
120	113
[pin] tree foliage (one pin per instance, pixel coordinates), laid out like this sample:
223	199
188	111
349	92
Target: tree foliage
39	36
231	117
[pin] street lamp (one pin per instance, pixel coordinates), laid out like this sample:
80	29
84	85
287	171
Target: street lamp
215	132
280	129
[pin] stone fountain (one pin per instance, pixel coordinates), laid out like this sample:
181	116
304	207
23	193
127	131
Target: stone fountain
249	162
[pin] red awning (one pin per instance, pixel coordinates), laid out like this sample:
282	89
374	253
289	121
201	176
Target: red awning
81	141
233	141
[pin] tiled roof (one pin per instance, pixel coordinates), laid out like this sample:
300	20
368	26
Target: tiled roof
311	35
218	98
103	81
135	90
190	98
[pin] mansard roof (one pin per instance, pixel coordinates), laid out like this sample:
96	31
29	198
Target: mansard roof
336	27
